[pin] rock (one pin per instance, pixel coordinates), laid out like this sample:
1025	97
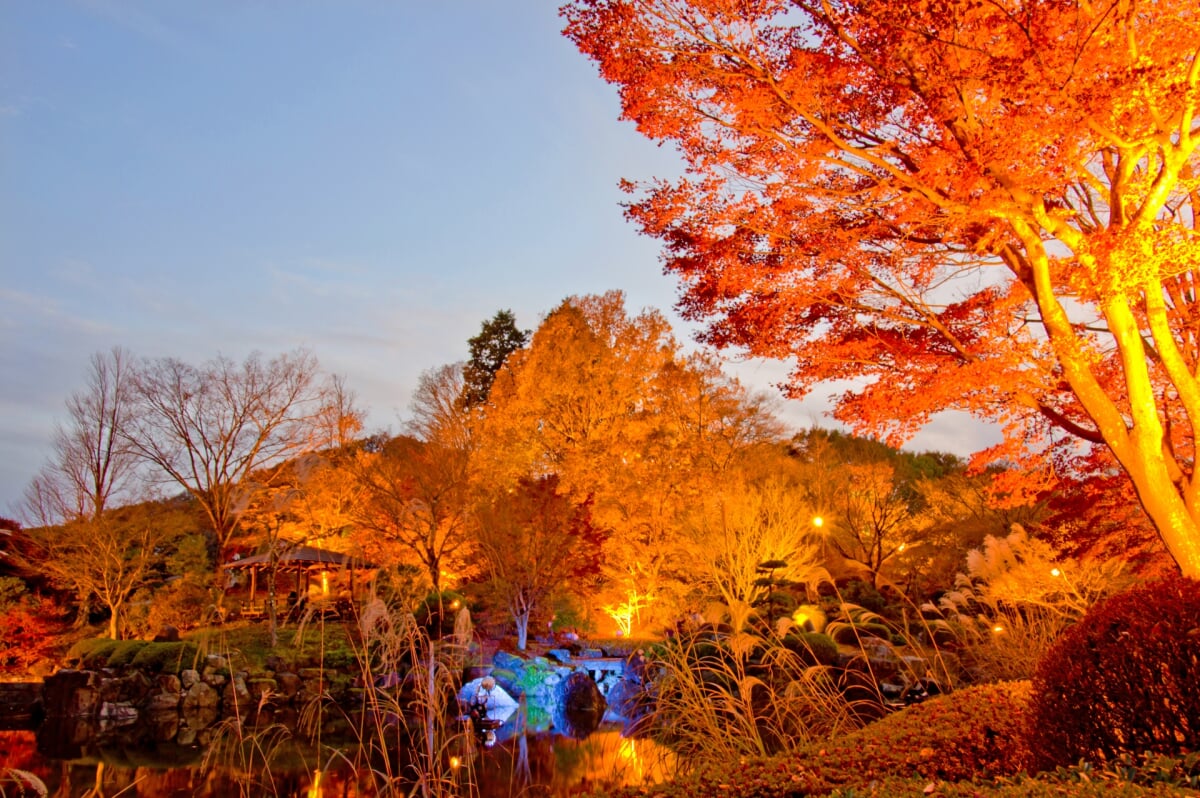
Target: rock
560	654
237	694
625	699
20	699
262	686
188	677
169	683
168	634
580	707
160	703
200	696
164	726
507	661
216	662
71	693
118	713
289	683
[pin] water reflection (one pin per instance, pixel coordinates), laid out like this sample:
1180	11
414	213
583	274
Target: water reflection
522	763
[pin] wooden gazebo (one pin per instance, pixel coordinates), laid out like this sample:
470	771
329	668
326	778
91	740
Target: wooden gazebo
304	562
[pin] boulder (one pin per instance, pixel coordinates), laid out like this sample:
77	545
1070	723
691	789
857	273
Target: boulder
580	706
71	693
506	661
117	713
168	634
160	703
200	696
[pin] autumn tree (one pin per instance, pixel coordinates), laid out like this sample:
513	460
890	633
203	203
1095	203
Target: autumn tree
218	430
498	338
534	538
608	404
972	206
745	525
415	490
106	559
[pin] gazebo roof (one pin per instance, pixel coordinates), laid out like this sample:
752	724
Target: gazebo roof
301	556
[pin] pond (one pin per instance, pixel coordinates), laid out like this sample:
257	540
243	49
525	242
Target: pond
273	761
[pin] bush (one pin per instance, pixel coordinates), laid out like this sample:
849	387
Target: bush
30	630
977	731
166	657
183	604
124	652
1123	680
812	647
965	736
92	653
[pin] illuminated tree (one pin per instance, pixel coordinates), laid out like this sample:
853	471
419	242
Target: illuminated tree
984	207
746	525
415	502
533	539
609	405
107	558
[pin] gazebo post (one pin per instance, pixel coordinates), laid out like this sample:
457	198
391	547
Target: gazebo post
253	583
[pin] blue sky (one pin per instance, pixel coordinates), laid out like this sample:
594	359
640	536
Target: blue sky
370	180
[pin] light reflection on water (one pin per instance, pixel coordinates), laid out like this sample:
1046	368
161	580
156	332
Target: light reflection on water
530	764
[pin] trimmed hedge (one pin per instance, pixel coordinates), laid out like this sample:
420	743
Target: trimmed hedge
166	657
1122	681
814	648
125	652
967	735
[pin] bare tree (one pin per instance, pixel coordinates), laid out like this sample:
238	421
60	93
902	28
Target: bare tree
219	430
91	462
75	538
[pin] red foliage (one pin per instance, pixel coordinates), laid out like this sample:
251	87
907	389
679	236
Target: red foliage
29	631
1122	680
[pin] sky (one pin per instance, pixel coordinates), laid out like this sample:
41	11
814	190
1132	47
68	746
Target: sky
368	179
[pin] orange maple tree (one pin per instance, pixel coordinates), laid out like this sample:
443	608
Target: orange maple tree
981	206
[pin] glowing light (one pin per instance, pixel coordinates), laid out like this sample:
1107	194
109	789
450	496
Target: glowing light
1055	572
325	582
455	604
997	628
314	789
455	762
800	617
818	521
901	547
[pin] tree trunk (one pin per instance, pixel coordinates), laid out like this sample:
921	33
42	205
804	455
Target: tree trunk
113	624
522	620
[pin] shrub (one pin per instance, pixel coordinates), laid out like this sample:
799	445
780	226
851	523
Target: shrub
1122	680
166	657
91	653
813	648
965	736
30	629
124	652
